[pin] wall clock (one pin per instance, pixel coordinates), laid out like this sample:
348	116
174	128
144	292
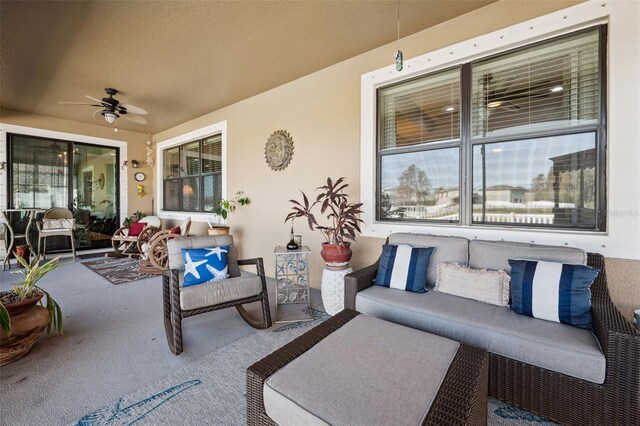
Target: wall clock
279	150
139	176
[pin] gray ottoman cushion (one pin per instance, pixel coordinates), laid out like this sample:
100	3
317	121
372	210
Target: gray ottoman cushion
495	254
208	294
554	346
367	372
447	249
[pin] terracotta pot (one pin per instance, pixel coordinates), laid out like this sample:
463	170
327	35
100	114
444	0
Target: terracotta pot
15	308
28	320
218	230
336	254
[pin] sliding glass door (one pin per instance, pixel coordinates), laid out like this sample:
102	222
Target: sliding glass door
95	194
83	178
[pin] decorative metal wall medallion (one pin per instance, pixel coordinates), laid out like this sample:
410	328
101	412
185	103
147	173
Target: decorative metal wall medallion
279	150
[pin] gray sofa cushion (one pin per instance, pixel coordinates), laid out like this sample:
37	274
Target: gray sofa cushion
208	294
558	347
496	254
367	372
176	261
447	249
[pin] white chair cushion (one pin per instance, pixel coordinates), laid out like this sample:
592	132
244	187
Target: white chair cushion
152	221
57	224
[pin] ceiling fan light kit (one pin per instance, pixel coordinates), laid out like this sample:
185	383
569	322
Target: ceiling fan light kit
111	109
110	117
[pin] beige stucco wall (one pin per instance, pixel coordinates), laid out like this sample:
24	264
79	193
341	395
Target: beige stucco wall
136	147
322	113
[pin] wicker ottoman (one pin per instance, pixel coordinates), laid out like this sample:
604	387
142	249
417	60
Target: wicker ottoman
359	370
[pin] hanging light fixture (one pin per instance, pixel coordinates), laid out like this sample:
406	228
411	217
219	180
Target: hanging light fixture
110	117
398	54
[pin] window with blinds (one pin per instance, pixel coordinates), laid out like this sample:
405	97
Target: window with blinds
514	139
552	85
193	176
420	111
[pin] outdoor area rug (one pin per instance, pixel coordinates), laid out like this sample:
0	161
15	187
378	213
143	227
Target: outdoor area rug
93	255
211	390
117	270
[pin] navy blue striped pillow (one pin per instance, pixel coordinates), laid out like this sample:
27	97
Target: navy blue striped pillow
403	267
552	291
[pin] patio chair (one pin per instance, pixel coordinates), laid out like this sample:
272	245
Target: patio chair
56	222
124	244
182	302
154	259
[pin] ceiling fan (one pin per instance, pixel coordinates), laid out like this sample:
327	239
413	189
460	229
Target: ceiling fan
111	109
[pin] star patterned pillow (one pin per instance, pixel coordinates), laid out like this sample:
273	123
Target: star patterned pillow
205	265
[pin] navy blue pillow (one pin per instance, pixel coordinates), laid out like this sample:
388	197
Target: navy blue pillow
205	265
404	267
552	291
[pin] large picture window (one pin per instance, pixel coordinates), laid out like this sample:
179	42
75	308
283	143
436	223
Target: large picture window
515	139
192	180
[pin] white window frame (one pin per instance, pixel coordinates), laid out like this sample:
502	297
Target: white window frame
623	210
72	137
219	128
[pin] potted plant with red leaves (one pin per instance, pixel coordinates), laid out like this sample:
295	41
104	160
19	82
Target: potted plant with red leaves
341	214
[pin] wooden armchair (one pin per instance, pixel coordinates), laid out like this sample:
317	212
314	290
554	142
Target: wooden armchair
125	244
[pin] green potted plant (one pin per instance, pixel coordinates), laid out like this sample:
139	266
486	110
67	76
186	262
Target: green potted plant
22	319
341	214
135	217
222	213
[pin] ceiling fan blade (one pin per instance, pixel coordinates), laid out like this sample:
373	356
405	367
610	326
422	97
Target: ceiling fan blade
95	114
510	106
94	99
135	118
78	103
133	109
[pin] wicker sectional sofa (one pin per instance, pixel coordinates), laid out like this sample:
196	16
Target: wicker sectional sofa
570	375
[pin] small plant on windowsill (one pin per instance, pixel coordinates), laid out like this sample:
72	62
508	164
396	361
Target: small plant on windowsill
222	212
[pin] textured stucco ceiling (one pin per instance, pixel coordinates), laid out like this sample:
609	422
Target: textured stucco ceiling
182	59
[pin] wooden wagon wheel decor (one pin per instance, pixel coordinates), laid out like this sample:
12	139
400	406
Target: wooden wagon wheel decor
123	245
146	235
279	150
158	254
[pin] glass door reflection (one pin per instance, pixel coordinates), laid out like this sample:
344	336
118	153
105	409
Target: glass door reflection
95	195
46	173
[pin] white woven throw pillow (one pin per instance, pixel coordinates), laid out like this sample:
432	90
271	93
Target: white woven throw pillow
484	285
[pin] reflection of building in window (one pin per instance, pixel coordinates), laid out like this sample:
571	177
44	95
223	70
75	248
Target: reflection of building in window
506	193
580	167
